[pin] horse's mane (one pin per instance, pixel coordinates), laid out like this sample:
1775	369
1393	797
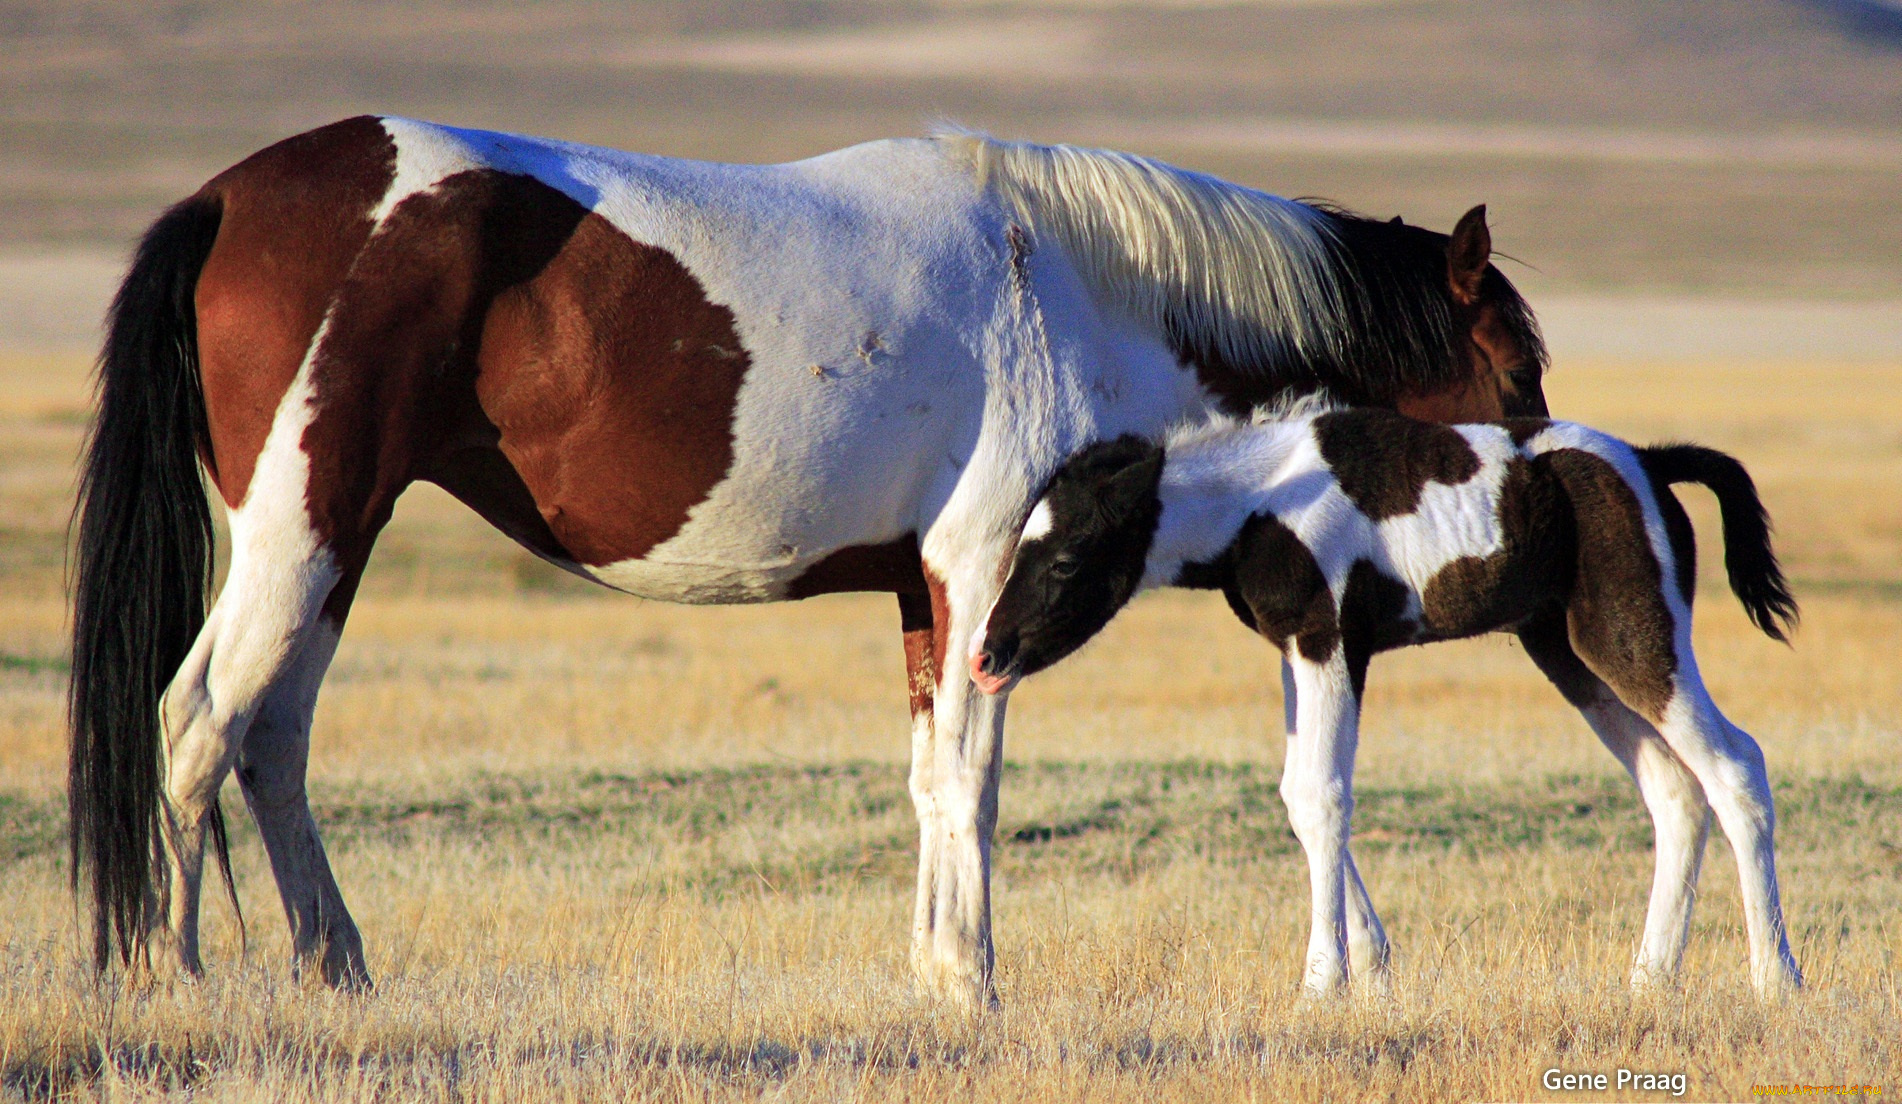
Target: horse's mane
1218	267
1294	294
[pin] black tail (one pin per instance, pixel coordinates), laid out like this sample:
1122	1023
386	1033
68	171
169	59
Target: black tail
144	573
1754	575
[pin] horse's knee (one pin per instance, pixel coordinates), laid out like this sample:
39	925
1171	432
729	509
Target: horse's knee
1315	807
273	761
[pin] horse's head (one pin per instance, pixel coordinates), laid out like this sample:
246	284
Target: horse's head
1079	560
1494	337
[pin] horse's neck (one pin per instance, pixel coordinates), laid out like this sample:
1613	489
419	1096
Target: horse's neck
1212	485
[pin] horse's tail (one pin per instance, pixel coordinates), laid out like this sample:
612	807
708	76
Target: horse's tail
144	572
1755	576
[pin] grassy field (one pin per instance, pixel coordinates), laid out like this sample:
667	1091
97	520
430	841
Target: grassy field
601	847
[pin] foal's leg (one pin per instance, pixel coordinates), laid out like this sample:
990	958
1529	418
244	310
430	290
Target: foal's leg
271	772
1318	788
1726	761
1680	817
1730	765
1368	952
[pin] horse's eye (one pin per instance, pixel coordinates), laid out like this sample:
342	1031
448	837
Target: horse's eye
1063	567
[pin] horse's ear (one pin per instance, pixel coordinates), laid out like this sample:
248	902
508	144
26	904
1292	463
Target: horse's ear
1468	252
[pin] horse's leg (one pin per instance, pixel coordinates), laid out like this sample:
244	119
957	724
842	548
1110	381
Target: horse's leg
921	676
265	616
1318	788
1368	952
955	775
1730	765
1680	816
271	772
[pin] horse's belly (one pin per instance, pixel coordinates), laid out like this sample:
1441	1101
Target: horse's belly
696	583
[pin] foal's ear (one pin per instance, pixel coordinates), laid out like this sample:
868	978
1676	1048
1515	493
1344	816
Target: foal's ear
1134	485
1468	251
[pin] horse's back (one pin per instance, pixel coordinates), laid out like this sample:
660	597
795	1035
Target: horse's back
687	379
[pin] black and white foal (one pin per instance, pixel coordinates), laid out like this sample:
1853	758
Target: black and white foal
1347	533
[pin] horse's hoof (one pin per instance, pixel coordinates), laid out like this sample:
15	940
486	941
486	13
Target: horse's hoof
1652	980
956	987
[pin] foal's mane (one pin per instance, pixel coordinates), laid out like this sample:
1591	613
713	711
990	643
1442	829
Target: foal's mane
1294	294
1287	408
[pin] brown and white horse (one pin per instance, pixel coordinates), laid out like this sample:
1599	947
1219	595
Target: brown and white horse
1343	534
697	382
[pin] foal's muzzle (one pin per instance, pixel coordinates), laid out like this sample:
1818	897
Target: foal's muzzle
994	668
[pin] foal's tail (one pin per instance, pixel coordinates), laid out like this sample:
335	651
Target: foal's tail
1754	575
144	571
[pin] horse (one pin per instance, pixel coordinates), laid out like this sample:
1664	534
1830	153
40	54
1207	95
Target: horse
695	382
1343	534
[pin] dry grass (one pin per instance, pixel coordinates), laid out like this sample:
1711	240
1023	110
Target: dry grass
605	848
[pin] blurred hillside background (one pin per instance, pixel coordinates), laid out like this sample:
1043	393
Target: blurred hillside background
1720	178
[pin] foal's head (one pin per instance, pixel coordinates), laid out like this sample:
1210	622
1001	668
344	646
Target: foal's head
1080	558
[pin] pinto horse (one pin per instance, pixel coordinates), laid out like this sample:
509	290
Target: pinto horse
688	381
1349	533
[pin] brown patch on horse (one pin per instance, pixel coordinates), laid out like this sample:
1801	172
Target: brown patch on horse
940	602
295	215
391	374
573	386
1477	594
1277	580
1620	625
1384	461
613	379
922	666
893	566
1373	618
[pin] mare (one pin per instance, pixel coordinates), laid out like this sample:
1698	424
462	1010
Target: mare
694	382
1345	534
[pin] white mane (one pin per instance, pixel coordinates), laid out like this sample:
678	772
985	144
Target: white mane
1244	273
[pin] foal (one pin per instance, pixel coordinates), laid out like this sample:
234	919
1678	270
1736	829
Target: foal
1341	534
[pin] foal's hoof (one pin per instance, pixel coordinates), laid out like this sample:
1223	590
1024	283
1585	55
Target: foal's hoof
1778	985
1375	983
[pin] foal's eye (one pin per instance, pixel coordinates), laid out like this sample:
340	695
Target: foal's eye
1063	567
